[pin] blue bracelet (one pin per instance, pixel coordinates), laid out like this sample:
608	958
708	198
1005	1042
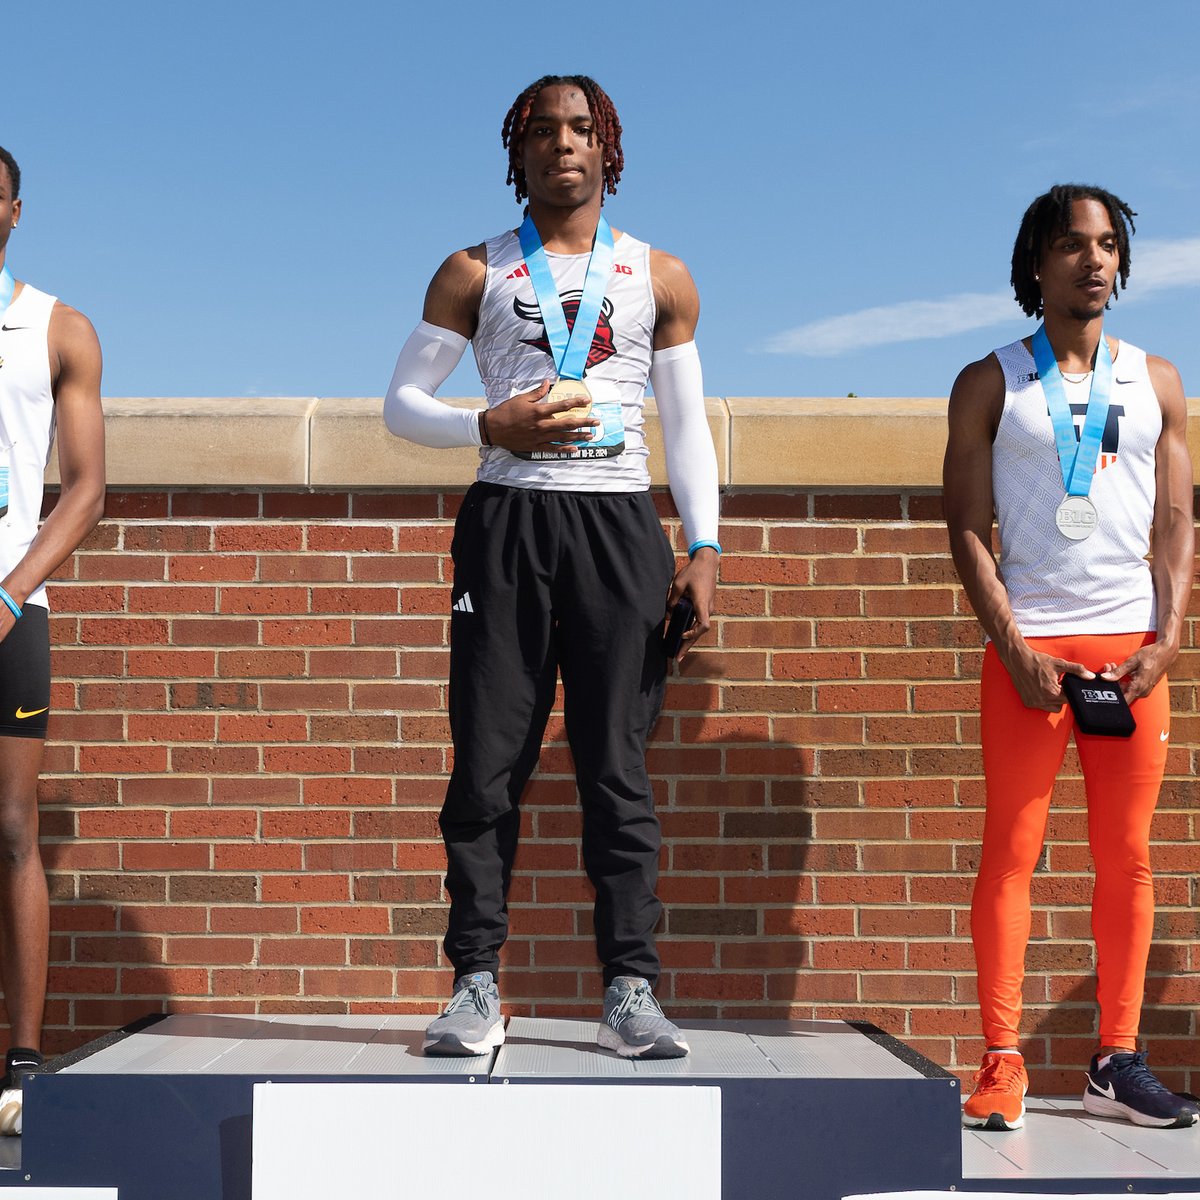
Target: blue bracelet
13	606
697	545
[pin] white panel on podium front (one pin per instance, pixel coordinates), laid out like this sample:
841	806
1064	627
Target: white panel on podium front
326	1141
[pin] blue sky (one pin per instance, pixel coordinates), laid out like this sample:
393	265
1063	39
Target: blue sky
250	198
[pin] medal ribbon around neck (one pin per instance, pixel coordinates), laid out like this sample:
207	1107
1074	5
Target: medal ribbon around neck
569	349
1077	459
7	286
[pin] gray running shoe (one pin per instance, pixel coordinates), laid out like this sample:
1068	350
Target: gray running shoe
471	1023
634	1026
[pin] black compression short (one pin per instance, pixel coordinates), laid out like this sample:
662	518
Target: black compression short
25	676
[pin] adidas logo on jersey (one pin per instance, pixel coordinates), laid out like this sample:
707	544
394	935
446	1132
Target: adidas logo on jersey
463	604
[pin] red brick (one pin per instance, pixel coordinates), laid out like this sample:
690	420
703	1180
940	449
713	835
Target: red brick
351	539
215	504
265	600
212	568
260	664
257	538
213	631
302	505
255	983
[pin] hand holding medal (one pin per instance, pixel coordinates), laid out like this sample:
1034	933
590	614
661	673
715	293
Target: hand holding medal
532	422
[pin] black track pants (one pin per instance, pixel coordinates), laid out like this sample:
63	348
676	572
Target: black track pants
574	582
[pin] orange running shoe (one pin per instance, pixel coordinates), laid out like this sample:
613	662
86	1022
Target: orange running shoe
998	1101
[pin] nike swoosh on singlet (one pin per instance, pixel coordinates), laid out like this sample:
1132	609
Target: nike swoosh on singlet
22	714
12	328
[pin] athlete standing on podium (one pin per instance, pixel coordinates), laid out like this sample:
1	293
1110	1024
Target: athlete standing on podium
1078	443
49	376
560	562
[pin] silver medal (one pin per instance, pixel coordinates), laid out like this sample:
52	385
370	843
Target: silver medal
1076	518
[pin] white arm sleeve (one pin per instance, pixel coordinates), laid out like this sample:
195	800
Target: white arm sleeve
410	408
691	459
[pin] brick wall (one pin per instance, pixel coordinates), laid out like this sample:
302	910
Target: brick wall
249	751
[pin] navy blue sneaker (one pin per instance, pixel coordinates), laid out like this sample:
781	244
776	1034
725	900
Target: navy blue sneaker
1128	1089
18	1063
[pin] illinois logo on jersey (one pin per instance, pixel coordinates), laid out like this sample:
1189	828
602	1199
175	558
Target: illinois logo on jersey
1110	441
603	347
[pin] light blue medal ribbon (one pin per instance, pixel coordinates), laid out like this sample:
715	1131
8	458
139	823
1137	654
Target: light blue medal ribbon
1077	458
569	348
7	286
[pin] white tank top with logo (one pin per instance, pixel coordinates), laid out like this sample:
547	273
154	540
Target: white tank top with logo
513	356
1101	584
26	423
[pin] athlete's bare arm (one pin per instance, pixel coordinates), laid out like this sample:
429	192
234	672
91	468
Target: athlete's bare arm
676	301
75	366
677	308
526	421
976	402
1174	538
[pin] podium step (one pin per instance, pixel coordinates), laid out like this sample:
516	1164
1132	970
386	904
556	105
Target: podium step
1062	1149
812	1109
817	1110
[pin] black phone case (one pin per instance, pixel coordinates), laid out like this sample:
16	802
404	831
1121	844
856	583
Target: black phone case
683	617
1099	706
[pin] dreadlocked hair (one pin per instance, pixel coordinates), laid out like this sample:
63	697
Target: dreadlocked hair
604	116
1048	217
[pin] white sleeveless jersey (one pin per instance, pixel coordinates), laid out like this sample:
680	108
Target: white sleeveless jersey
1103	583
26	423
513	356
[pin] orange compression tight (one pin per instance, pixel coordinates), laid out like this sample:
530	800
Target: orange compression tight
1023	750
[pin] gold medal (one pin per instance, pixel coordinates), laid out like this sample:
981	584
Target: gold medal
572	389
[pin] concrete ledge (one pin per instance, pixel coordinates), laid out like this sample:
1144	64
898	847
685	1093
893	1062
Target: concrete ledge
235	443
837	443
351	447
342	443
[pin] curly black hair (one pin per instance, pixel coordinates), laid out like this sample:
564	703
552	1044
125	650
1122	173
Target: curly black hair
1048	217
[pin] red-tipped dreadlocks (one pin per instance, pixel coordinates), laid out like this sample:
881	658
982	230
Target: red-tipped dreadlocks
608	129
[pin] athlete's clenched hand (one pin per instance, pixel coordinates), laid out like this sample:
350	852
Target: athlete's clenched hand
1038	677
528	422
698	580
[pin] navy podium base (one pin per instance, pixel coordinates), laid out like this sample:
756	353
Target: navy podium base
812	1109
816	1110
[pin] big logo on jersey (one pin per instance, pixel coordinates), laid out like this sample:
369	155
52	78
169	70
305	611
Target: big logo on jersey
602	344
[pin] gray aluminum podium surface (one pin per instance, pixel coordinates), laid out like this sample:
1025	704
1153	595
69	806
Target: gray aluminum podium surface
1063	1149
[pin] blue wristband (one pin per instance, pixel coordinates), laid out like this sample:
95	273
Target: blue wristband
697	545
13	606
